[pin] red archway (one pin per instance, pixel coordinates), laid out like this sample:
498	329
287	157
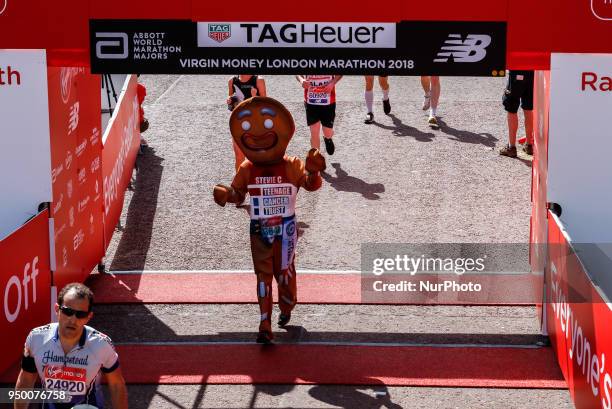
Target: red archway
534	29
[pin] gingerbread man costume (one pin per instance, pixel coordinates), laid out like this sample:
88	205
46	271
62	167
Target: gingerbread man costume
262	127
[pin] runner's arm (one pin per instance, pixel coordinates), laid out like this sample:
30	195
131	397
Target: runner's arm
239	187
302	81
237	191
310	179
329	87
26	380
315	163
117	389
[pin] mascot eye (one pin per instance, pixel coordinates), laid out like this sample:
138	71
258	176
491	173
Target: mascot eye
246	125
269	124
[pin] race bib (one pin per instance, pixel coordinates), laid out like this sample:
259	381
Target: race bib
65	378
271	227
318	96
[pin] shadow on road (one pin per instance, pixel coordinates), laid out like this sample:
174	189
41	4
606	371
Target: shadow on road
135	239
402	130
485	139
343	182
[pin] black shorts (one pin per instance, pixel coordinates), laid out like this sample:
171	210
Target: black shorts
326	114
519	91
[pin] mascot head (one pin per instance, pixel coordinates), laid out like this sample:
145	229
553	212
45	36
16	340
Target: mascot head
262	128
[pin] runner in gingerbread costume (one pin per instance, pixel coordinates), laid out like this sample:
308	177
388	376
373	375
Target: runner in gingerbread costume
262	127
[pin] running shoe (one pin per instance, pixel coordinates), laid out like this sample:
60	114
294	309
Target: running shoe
426	102
386	106
432	121
528	149
264	337
329	146
283	319
369	118
509	151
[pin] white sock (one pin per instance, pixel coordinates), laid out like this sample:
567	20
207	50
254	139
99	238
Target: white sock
369	99
385	94
432	111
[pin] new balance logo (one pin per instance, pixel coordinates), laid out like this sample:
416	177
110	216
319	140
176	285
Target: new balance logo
472	49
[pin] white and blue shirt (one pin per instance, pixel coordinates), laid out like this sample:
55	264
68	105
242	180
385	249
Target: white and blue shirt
78	371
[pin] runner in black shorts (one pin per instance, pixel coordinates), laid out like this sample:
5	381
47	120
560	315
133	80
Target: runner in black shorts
326	114
519	92
320	103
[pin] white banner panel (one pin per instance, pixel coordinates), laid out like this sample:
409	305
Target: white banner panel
25	153
580	144
296	35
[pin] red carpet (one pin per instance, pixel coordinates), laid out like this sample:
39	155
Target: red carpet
358	365
312	289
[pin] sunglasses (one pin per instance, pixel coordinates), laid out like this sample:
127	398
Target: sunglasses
69	312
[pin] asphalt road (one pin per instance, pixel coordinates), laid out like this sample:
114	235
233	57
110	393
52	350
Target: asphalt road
395	181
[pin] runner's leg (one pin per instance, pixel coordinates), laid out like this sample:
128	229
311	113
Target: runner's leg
263	256
435	94
315	138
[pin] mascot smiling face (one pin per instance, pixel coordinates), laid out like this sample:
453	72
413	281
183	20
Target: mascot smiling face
262	127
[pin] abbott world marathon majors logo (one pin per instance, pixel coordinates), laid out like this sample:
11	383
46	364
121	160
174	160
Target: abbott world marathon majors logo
296	35
145	45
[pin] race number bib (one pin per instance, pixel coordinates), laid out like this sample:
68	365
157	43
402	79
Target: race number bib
271	228
318	96
65	378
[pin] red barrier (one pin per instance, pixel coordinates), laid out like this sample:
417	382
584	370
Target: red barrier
538	225
76	150
121	143
580	331
25	281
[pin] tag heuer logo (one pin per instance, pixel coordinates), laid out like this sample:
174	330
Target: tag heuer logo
219	32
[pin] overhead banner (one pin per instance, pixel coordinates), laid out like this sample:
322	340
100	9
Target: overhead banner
404	48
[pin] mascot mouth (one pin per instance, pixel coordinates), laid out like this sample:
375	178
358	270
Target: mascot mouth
260	142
